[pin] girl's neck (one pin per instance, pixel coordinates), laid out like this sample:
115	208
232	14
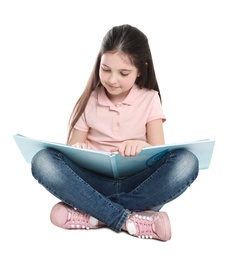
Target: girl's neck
116	99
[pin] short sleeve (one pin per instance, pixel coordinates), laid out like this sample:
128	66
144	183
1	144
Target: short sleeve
156	109
81	124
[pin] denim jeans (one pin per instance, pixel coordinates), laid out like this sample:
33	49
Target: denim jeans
112	200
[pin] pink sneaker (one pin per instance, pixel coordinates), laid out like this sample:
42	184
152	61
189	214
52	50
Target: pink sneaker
149	224
66	217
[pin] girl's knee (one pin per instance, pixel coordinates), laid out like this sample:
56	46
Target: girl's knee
187	157
41	162
191	158
187	162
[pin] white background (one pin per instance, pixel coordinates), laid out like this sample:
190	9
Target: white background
47	50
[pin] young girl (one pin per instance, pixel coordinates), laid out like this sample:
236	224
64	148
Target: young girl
120	110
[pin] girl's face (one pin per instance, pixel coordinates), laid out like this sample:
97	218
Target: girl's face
117	75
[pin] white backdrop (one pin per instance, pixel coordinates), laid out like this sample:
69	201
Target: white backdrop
47	51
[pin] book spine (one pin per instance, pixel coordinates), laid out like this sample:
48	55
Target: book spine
114	165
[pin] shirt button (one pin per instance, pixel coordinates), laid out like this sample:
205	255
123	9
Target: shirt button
118	124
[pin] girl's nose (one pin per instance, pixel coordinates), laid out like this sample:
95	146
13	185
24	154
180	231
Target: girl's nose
112	79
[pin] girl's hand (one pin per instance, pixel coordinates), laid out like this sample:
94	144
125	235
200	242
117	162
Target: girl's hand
80	145
131	147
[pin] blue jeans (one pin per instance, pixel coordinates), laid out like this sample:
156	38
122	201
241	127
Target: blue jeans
112	200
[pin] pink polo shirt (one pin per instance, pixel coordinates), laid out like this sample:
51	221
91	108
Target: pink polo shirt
109	125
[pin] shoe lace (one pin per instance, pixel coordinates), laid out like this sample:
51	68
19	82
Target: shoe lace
144	226
78	219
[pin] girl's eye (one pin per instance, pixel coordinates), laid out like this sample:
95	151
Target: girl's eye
104	69
124	74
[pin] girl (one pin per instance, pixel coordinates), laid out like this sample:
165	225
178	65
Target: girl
119	110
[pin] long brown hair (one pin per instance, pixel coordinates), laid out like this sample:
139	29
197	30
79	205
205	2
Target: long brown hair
130	41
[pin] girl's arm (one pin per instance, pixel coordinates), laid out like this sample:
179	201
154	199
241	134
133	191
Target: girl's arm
155	132
78	138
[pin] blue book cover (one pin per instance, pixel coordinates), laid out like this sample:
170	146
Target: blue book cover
113	164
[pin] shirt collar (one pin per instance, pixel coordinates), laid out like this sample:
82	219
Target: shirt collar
105	101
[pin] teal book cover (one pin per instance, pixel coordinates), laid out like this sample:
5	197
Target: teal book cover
113	164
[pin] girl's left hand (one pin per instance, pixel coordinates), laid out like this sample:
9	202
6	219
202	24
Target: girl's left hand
131	147
81	145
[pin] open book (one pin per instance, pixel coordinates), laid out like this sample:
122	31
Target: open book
113	164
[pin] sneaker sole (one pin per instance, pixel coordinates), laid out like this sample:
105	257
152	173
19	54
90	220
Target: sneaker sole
167	224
